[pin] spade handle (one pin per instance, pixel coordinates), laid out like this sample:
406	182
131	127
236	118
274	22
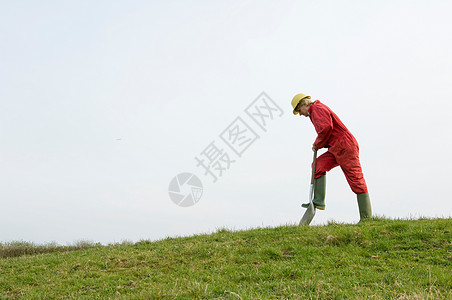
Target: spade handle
314	162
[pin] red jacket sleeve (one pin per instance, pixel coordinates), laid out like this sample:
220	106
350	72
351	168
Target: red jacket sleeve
323	123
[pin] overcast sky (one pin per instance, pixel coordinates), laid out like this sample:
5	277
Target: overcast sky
103	103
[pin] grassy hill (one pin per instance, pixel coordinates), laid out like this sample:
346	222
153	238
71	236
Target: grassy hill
380	259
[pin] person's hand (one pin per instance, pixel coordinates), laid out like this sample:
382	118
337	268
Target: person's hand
314	148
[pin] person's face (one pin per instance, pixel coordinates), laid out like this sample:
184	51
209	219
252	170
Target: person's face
303	110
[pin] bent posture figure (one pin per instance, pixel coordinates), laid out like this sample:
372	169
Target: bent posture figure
343	151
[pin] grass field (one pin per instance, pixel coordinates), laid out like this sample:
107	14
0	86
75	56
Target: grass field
379	259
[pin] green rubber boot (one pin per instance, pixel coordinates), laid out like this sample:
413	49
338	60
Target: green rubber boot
319	193
365	210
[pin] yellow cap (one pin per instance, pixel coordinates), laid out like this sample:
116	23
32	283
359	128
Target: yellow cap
297	100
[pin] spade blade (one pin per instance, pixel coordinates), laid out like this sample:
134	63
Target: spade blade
308	215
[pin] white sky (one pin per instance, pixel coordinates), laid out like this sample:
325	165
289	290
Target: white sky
102	103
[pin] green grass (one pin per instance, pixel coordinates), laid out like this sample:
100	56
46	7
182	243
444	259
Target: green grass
19	248
379	259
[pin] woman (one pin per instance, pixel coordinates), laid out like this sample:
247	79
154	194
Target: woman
342	151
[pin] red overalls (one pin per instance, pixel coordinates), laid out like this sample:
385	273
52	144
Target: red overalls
343	149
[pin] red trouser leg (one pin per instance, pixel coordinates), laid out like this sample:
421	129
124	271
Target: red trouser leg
325	162
354	174
347	157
